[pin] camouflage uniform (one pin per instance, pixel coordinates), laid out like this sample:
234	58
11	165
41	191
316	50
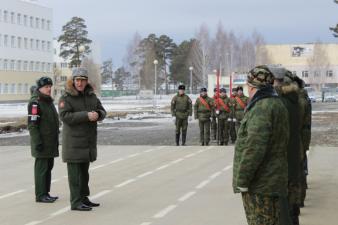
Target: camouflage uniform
214	120
239	110
181	108
260	161
232	119
223	117
203	114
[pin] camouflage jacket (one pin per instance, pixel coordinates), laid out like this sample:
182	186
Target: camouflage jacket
260	160
181	106
305	120
238	110
201	112
223	114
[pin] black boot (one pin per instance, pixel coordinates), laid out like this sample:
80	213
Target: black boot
202	144
184	137
178	139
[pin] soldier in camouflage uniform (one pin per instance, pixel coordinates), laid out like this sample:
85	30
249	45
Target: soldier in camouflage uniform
223	112
181	109
239	104
260	162
288	91
203	110
214	119
232	119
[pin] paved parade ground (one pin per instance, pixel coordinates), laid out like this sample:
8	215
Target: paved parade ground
161	185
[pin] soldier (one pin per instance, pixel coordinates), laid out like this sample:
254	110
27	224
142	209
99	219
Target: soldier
214	119
223	112
203	110
43	126
80	110
240	102
232	119
181	109
288	91
260	161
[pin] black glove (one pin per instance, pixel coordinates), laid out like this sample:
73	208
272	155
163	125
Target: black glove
39	148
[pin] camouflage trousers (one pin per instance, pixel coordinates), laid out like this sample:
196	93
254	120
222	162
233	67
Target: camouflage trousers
181	124
294	200
261	210
214	127
223	126
232	131
204	131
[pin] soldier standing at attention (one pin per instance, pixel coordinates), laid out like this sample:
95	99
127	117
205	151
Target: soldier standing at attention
214	119
240	103
181	109
232	118
43	126
80	110
223	115
203	110
260	170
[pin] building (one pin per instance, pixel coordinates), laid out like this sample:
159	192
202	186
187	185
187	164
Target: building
316	64
237	80
26	51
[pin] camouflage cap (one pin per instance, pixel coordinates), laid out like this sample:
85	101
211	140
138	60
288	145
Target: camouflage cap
260	76
80	73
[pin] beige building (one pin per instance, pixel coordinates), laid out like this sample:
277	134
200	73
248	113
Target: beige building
237	80
26	51
316	64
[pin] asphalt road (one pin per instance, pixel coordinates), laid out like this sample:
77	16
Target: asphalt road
153	185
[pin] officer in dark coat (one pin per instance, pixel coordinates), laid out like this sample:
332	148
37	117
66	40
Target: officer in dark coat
43	126
80	110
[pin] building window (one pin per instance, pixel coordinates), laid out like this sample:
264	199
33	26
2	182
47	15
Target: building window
25	66
25	43
48	46
5	64
12	90
31	66
1	15
43	67
12	65
43	24
37	23
19	89
13	41
48	25
6	40
18	65
43	45
316	73
37	66
37	45
49	69
305	74
329	73
31	21
5	16
6	89
0	40
25	18
25	89
19	42
31	44
18	19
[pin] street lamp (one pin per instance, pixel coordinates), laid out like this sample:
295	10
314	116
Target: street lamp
155	89
191	69
81	49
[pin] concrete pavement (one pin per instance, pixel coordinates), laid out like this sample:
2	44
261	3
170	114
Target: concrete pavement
153	185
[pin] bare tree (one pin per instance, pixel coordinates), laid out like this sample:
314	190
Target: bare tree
318	65
94	73
262	56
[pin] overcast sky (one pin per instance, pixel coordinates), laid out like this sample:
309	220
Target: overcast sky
112	23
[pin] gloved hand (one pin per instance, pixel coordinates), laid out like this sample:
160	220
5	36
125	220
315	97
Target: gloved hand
39	148
243	189
190	118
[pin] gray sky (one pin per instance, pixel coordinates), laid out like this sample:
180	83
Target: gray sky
113	22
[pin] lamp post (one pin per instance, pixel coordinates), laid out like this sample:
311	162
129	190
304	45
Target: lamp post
82	49
191	69
155	89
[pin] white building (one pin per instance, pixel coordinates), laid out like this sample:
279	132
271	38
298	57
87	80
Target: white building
26	47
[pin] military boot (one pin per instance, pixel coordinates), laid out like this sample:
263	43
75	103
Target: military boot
178	139
202	143
184	137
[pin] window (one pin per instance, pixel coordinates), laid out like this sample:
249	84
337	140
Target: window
31	66
31	21
0	40
43	67
25	43
37	46
25	89
19	42
18	65
18	19
12	91
5	16
5	64
43	24
329	73
37	23
6	40
31	44
316	73
43	45
25	18
48	25
6	89
305	73
25	66
1	15
12	17
12	65
48	46
13	41
49	69
37	66
19	89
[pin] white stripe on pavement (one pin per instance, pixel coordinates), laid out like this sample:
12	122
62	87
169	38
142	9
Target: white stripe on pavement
165	211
